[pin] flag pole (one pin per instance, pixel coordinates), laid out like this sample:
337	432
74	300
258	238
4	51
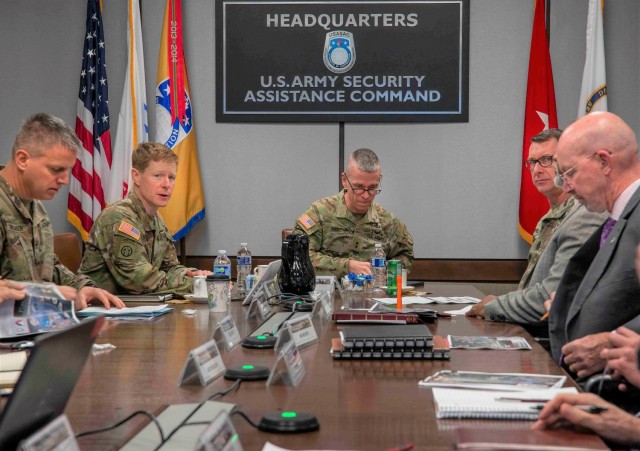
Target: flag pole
183	251
547	20
340	153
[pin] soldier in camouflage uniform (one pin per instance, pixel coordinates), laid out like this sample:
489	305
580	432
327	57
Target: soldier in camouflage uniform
343	229
558	235
130	249
43	152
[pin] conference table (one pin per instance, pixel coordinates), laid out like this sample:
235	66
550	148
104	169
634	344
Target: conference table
360	404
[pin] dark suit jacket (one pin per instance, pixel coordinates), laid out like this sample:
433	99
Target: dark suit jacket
599	290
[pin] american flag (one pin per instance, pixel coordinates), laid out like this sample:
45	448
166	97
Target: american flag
93	165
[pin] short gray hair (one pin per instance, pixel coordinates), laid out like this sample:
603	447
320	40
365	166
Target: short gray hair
547	135
42	131
365	159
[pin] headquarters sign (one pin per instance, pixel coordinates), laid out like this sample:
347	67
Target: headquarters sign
347	61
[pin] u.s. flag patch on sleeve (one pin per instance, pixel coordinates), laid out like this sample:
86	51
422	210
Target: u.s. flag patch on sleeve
306	221
130	230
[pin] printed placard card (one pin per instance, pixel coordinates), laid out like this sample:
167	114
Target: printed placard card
326	300
205	363
227	334
259	306
317	309
302	331
288	368
325	284
55	436
271	288
253	307
284	337
220	435
340	288
264	308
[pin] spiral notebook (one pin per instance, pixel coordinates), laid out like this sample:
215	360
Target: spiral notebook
494	405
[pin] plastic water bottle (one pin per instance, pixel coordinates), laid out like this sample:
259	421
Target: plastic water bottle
222	266
243	259
379	267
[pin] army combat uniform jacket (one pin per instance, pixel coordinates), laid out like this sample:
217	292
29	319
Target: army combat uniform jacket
336	235
26	243
129	251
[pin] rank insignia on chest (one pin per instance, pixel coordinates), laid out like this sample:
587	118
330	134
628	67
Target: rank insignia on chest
306	221
130	230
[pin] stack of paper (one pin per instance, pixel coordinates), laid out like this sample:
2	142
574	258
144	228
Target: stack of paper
144	311
11	364
461	403
431	300
498	343
493	381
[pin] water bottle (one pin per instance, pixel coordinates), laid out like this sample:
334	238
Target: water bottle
243	258
222	266
379	267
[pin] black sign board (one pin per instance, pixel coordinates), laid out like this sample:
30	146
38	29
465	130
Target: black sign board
347	61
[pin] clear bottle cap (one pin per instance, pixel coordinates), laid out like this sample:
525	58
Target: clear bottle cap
243	244
378	244
222	251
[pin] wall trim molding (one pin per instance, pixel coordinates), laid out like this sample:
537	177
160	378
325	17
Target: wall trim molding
435	270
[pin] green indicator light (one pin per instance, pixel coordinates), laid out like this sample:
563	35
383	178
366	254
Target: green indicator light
261	337
247	367
234	438
299	302
289	414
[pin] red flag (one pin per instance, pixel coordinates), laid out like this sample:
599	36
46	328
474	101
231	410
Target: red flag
539	114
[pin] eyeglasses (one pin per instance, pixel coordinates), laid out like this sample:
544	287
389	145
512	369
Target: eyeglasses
561	179
544	162
359	191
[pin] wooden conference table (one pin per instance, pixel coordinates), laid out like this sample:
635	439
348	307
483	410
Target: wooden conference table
364	405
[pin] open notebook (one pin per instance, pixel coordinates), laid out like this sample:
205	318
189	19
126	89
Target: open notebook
495	405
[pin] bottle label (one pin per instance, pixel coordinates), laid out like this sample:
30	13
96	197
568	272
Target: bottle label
244	260
224	270
378	262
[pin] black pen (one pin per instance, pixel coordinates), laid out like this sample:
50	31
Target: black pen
587	408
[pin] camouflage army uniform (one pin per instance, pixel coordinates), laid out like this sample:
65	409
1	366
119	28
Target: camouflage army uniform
26	243
129	251
545	229
336	235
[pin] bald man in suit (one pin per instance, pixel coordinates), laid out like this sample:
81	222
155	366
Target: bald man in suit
597	162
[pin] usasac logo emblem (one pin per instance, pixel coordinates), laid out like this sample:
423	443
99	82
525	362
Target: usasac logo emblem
339	51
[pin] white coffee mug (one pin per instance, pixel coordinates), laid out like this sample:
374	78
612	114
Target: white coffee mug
259	270
200	287
404	277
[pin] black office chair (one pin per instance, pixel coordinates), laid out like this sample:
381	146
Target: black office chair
606	387
598	382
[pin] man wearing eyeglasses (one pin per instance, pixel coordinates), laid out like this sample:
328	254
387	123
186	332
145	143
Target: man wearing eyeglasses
558	235
343	229
597	162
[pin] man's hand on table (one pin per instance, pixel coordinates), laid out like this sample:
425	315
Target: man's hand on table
622	356
612	424
583	356
197	272
357	267
478	309
11	291
89	294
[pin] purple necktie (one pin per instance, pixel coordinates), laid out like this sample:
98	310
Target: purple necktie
606	230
